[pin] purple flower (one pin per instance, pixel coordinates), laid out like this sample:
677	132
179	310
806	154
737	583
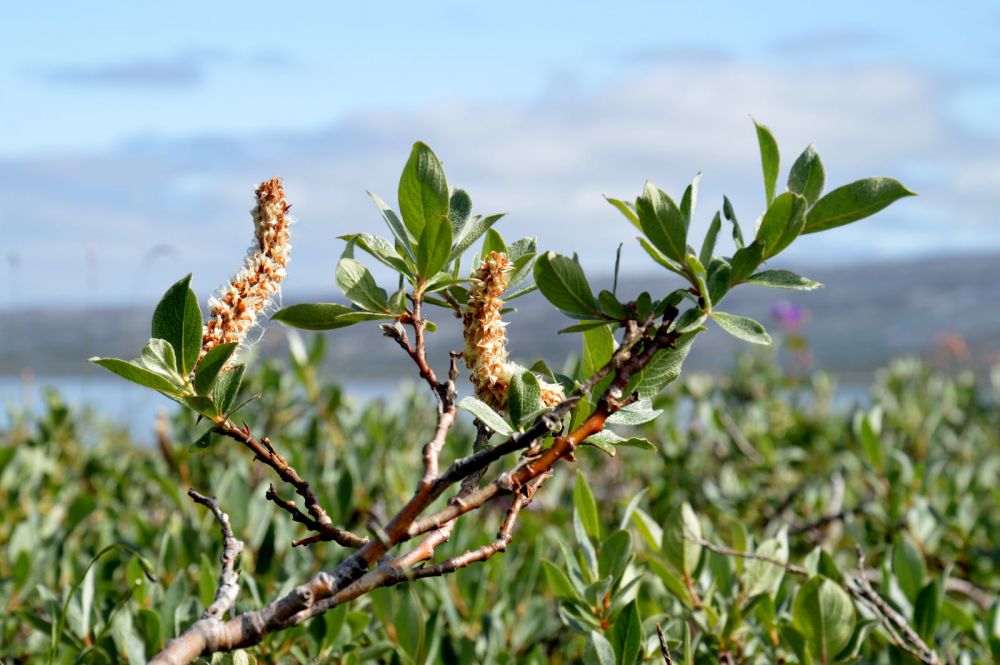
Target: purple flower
787	315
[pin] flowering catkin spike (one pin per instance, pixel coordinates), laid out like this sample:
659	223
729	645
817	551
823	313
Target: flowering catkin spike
234	311
485	350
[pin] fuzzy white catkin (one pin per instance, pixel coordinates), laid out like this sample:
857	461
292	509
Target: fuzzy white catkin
235	309
485	350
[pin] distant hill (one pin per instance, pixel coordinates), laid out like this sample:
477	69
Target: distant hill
866	315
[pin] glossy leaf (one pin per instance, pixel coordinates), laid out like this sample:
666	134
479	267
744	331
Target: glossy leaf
323	316
807	176
136	374
824	614
586	507
423	190
664	367
359	286
742	327
598	650
783	279
227	386
486	414
524	397
769	159
782	223
852	202
626	635
209	367
434	247
681	531
562	282
662	222
177	319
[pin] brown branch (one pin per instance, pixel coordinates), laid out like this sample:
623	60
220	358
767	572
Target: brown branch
265	452
328	588
229	579
894	623
664	649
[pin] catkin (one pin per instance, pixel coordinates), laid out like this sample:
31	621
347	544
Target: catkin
485	350
236	307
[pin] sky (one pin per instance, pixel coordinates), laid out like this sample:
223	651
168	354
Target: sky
134	133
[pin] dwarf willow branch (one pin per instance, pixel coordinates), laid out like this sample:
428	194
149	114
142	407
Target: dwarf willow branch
229	586
352	577
265	452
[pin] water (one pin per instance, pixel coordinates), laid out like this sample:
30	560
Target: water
120	402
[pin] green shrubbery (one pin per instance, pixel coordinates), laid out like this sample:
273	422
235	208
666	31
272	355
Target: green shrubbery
918	463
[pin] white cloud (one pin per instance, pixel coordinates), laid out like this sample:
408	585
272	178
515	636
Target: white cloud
547	163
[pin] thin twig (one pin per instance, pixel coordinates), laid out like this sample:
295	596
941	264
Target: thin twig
896	625
728	551
265	452
229	579
664	649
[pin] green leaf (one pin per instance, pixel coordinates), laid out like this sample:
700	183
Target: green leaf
626	635
662	222
524	397
459	211
610	306
606	439
742	327
783	279
730	214
720	276
745	262
471	232
158	356
927	608
136	374
562	282
423	190
689	199
824	614
210	366
782	223
586	507
359	286
601	443
493	242
226	388
381	249
177	319
324	316
762	576
583	327
203	405
403	237
558	581
681	531
769	159
908	566
626	209
598	650
635	413
807	176
202	442
615	555
434	246
690	319
486	415
656	255
854	201
708	246
663	368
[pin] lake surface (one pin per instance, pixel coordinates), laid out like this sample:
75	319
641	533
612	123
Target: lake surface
120	402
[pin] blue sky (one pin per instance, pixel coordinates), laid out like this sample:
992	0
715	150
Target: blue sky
134	132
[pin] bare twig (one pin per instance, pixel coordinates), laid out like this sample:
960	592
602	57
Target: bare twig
265	452
728	551
895	624
664	649
229	579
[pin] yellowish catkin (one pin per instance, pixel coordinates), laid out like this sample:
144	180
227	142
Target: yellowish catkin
485	350
238	304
